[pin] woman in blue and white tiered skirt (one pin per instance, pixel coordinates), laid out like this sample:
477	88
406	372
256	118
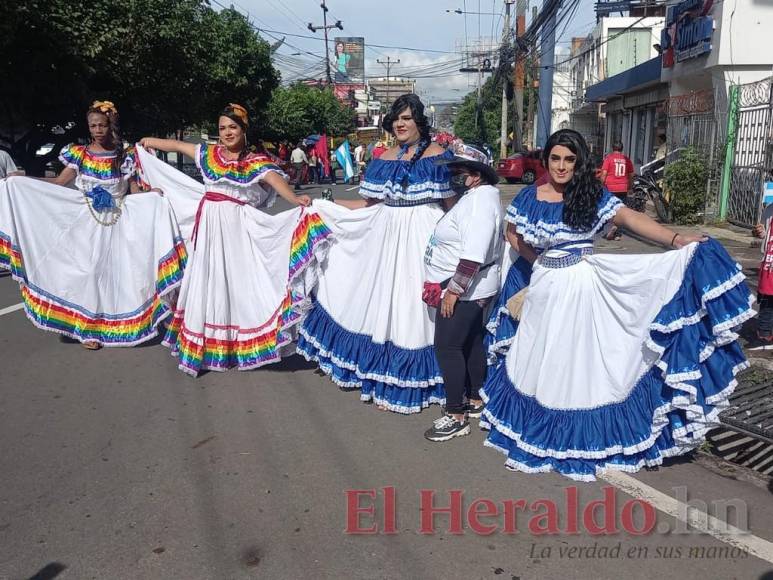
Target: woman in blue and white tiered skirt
369	328
619	361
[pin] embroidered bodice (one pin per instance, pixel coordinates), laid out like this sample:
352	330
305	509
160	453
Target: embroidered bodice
237	178
541	222
97	169
398	183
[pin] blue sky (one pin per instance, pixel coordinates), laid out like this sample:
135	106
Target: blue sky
409	24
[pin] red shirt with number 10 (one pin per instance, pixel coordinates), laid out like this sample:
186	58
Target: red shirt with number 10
618	168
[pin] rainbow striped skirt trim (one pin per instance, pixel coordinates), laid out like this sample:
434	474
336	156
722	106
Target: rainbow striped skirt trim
51	313
222	347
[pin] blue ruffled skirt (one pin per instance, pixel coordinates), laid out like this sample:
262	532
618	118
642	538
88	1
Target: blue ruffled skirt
619	362
368	328
501	327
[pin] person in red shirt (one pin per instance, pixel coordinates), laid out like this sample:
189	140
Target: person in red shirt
617	177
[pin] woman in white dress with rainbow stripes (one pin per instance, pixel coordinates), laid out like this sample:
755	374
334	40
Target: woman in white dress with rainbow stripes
246	282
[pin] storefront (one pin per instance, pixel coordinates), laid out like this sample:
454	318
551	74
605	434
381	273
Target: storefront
633	106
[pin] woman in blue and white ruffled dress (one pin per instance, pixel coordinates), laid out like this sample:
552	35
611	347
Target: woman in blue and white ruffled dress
619	361
369	328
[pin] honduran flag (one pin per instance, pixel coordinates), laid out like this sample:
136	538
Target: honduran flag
344	157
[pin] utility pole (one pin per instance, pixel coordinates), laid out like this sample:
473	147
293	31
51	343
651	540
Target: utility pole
505	80
530	111
484	65
547	60
325	27
520	71
388	64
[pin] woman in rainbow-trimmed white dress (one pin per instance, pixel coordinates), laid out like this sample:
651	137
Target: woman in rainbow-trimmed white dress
93	263
246	283
619	361
369	328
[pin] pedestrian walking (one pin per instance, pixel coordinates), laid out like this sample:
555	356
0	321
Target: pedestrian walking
369	328
98	263
619	360
313	162
333	166
764	231
359	161
462	269
617	177
245	284
300	161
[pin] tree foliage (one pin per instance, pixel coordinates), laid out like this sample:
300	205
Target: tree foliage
301	110
481	125
166	65
686	180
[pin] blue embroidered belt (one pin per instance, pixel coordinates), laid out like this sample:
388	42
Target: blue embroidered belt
575	255
409	202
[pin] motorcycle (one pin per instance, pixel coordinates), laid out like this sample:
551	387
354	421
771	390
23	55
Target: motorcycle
646	187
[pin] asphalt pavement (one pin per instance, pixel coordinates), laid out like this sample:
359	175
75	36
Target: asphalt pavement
116	465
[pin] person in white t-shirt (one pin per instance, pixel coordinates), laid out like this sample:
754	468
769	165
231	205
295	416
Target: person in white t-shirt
462	270
7	166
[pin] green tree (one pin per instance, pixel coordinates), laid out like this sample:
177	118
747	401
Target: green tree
686	180
166	65
481	125
301	110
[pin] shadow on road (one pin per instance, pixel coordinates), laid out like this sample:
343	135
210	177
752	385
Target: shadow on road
49	571
291	363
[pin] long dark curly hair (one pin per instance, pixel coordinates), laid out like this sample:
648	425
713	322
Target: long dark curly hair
413	103
583	192
99	108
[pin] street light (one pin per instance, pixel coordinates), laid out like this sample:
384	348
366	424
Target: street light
460	11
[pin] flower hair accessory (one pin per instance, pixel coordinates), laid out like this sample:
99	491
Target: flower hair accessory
106	107
240	112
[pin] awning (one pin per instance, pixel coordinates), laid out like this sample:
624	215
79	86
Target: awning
634	79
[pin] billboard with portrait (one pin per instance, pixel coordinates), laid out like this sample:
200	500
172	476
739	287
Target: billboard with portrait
348	60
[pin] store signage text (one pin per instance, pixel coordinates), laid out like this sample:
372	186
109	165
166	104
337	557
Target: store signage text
688	31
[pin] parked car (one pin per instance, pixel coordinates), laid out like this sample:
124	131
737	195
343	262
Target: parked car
525	167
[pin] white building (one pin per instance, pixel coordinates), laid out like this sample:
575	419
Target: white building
615	45
563	91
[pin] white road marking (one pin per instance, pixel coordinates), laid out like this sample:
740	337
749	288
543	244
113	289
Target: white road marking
696	519
352	188
13	308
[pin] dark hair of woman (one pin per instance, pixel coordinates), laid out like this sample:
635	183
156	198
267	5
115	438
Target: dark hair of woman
237	116
584	191
98	108
413	103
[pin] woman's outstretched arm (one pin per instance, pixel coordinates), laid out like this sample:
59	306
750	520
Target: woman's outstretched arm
169	145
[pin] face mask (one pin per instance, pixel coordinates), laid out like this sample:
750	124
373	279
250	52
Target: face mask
458	184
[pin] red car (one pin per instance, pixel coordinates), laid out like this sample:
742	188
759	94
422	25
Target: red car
525	167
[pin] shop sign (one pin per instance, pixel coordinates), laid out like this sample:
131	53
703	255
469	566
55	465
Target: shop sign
688	31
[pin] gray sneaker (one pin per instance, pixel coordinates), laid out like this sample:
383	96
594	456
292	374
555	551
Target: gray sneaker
447	428
475	411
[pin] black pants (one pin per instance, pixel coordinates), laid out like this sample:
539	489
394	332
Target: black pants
460	353
765	318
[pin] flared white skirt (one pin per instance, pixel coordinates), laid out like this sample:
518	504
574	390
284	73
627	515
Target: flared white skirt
91	282
369	328
619	361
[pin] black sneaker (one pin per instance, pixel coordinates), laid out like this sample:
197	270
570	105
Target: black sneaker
474	411
447	428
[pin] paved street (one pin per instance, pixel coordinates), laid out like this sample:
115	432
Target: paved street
115	465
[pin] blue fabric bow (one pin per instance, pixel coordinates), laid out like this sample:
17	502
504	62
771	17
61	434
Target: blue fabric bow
101	199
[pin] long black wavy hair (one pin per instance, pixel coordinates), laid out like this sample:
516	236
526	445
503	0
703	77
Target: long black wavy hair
413	103
583	192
